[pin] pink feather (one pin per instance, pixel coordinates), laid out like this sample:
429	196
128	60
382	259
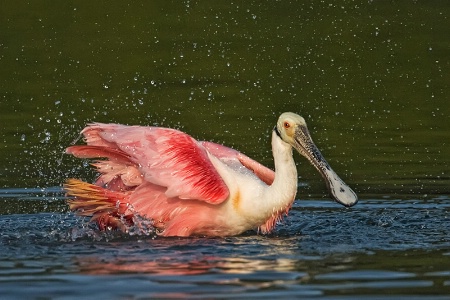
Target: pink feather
160	174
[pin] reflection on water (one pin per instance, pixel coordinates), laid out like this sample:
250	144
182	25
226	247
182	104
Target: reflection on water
168	266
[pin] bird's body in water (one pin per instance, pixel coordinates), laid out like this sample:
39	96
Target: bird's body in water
186	187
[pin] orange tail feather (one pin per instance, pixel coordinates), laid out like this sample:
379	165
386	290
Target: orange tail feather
108	208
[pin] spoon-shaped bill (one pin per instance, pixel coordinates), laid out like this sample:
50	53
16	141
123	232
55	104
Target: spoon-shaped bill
340	191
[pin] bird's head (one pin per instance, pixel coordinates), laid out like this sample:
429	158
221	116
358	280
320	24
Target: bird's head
292	129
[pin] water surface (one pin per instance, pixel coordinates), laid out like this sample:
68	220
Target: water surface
380	247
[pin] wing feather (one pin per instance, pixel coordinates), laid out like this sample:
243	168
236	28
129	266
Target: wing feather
231	156
166	157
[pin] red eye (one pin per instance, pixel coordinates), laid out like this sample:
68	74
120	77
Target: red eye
286	125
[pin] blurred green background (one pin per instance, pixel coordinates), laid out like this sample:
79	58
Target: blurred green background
370	77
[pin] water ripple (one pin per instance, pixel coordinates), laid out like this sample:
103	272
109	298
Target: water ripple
321	249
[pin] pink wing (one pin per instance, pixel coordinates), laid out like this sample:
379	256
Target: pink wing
165	157
227	154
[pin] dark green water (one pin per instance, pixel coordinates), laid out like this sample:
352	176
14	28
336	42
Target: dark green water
370	77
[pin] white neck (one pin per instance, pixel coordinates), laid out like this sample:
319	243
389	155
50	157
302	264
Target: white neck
281	193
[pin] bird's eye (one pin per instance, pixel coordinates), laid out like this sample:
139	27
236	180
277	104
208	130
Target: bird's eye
286	125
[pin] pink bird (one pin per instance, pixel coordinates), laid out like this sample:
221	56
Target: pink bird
186	187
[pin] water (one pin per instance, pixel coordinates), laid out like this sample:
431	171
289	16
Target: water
371	79
380	247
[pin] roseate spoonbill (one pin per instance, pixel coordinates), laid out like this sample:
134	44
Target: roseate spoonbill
186	187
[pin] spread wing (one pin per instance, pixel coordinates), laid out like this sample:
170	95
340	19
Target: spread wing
165	157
